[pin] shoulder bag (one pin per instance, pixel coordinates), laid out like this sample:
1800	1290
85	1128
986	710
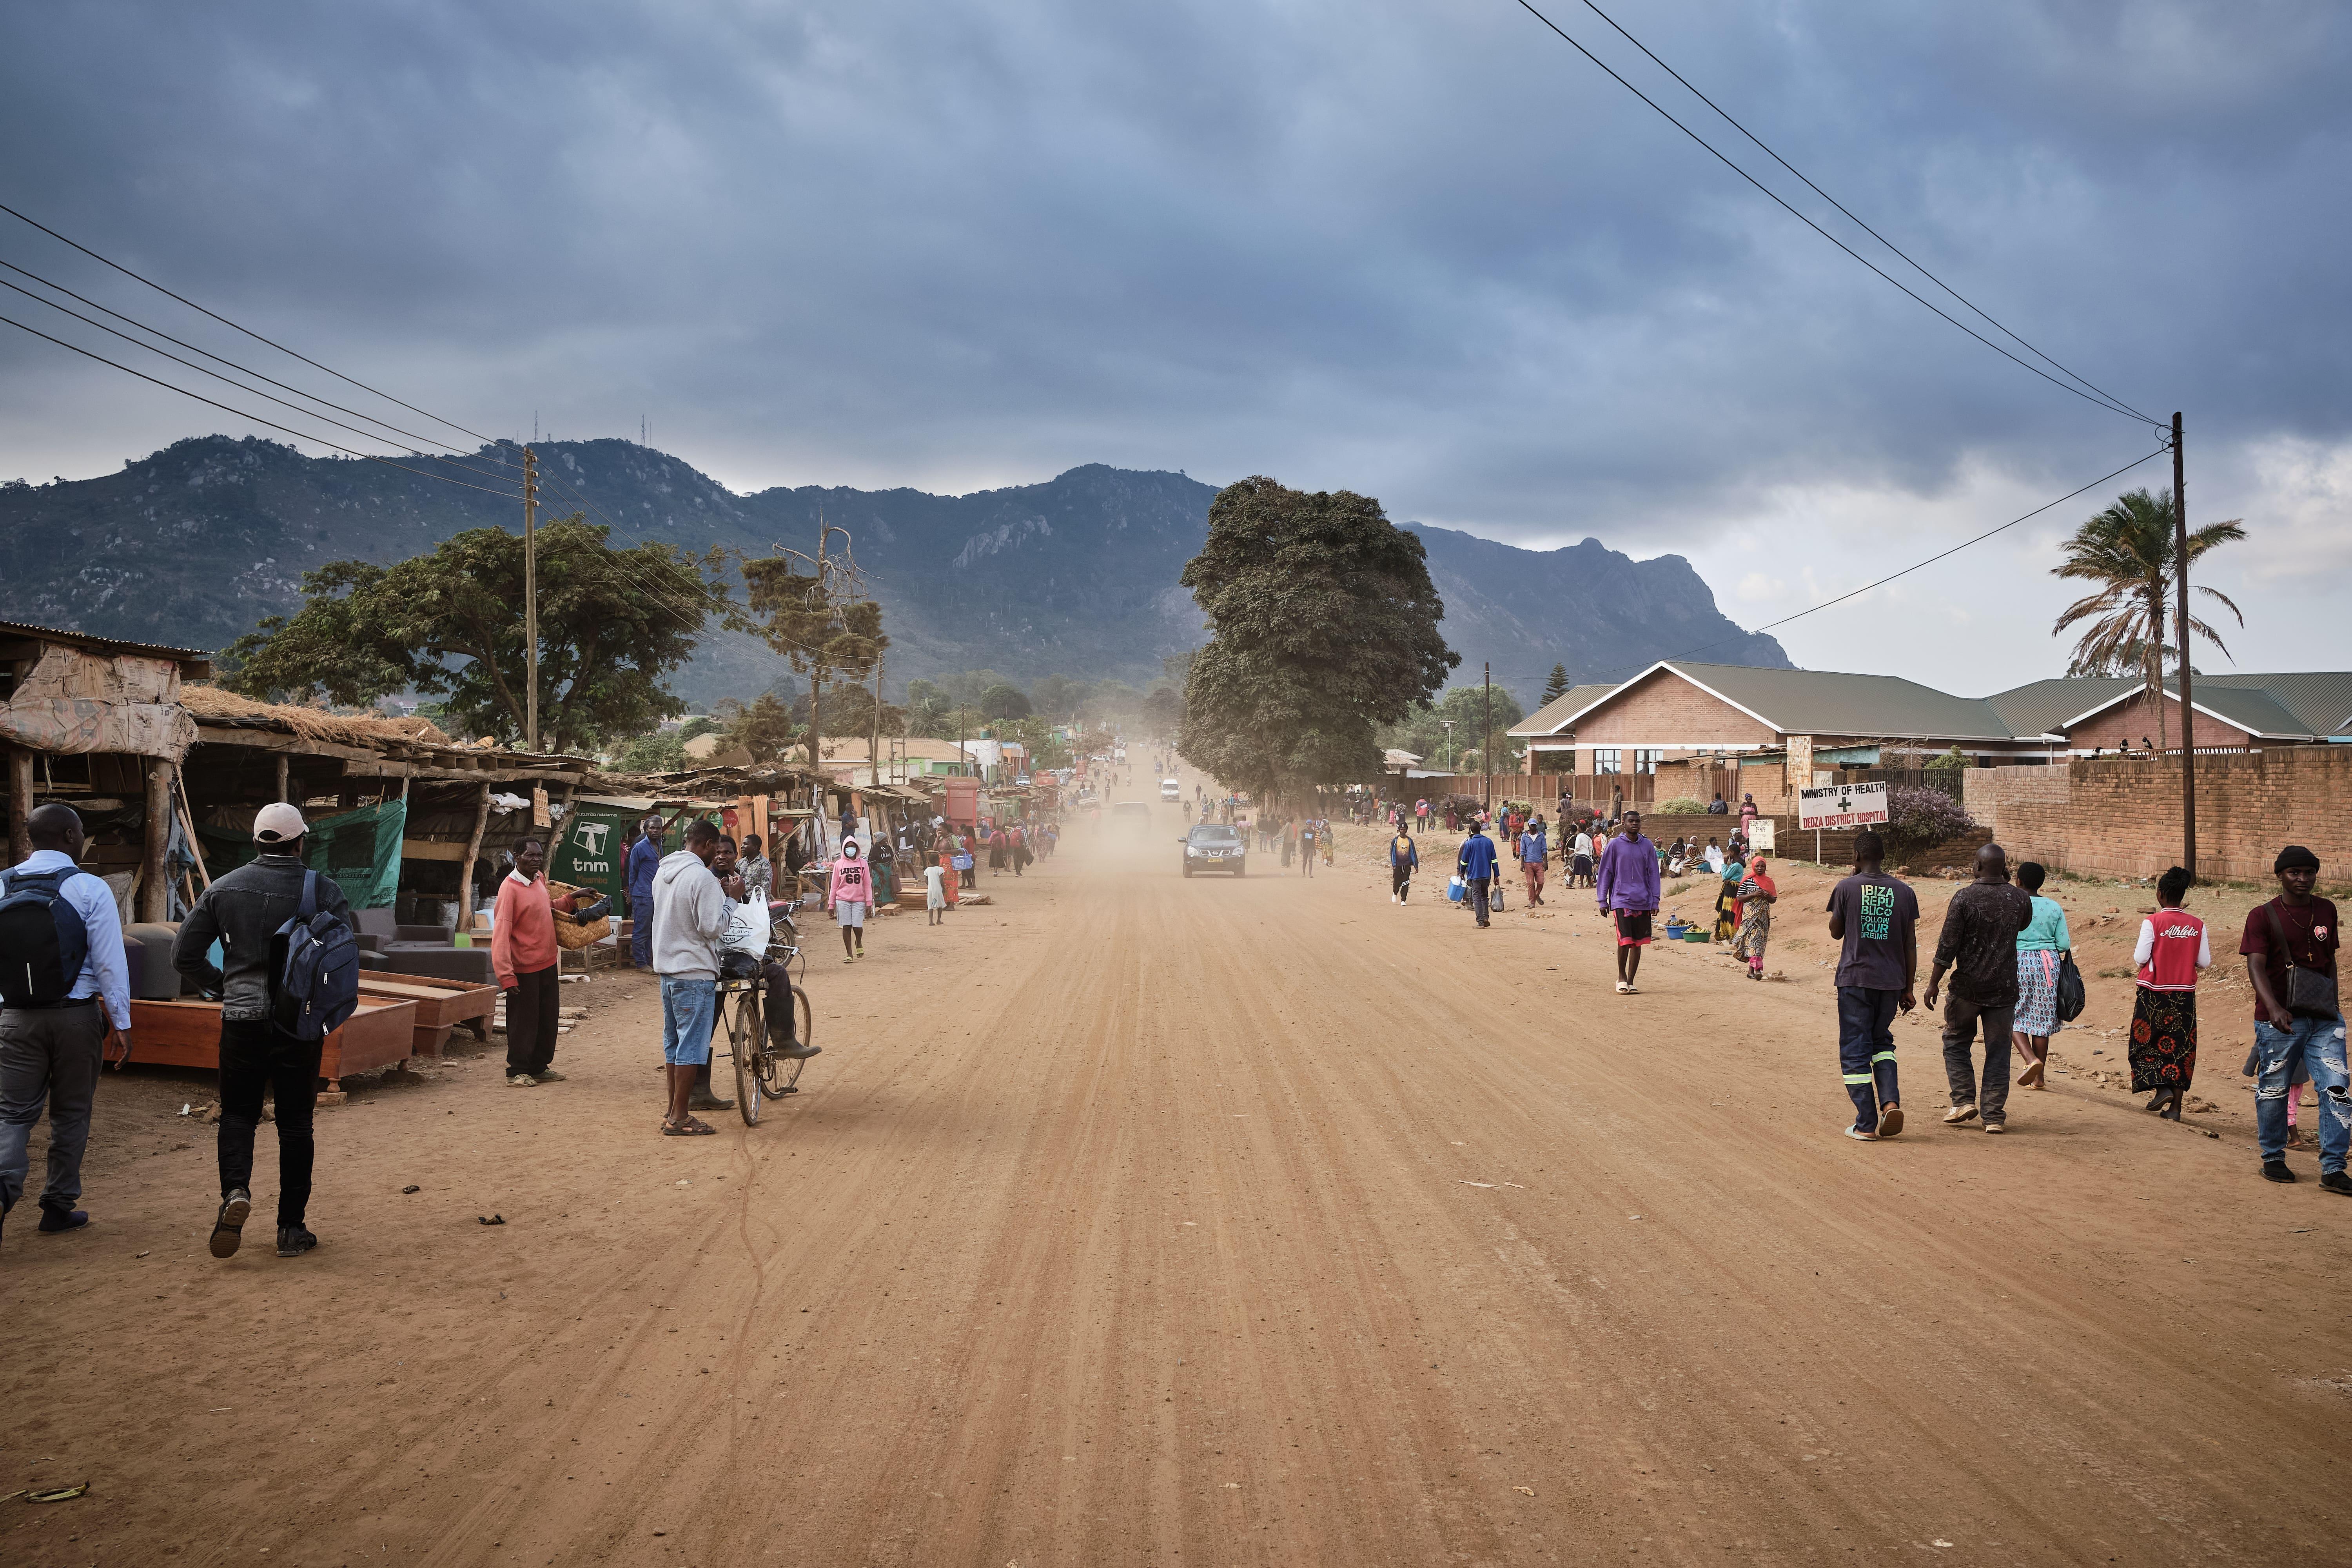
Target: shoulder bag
2309	994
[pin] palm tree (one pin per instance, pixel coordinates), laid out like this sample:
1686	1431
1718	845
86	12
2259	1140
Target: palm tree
2128	551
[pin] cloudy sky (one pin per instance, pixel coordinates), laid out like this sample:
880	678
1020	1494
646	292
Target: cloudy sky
1420	248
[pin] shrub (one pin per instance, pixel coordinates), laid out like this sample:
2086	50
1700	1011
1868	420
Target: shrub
1920	816
1681	806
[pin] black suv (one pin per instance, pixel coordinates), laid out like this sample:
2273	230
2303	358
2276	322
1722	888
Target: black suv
1213	846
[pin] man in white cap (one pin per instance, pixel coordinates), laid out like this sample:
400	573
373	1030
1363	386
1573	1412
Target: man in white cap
242	911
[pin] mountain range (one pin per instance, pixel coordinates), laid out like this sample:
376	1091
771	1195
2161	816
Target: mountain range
1077	575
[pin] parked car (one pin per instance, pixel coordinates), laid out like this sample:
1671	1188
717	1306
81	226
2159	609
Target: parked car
1213	846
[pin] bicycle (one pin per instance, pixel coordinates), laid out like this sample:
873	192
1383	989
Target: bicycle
762	1074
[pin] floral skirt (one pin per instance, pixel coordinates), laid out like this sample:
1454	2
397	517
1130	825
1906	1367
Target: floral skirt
2037	992
2163	1039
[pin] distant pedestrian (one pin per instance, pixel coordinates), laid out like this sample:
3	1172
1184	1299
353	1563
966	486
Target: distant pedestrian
759	872
1476	863
1625	883
1876	917
2173	946
1534	850
1726	902
1307	846
2042	947
62	1010
260	1051
996	850
1747	815
1757	897
935	896
527	961
2290	945
1404	860
645	855
1979	946
849	895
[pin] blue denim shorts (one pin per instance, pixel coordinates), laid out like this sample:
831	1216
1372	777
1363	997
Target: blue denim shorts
689	1011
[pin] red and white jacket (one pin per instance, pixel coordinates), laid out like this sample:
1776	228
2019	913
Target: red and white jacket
2173	946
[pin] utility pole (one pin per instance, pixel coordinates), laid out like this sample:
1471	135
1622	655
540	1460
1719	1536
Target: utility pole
530	596
2181	625
1486	735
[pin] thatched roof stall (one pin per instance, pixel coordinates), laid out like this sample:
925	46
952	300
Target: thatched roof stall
97	723
407	814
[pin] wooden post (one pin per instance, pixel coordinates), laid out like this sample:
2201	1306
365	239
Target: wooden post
2180	620
466	866
20	803
283	786
154	895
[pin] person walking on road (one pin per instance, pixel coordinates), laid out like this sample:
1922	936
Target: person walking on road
524	956
849	895
1978	947
1475	862
2173	946
2290	945
1534	850
1625	883
1876	917
55	1024
260	1051
2041	947
1404	860
1757	897
644	856
691	918
1580	874
1307	846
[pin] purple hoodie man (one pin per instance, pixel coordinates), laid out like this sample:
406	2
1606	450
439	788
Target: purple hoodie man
1626	883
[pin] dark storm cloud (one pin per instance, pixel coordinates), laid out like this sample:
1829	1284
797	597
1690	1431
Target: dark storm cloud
1421	249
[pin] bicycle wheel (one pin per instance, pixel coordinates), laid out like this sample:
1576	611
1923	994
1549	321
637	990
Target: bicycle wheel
747	1041
782	1075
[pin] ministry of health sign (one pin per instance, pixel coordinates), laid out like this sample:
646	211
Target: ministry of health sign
1842	806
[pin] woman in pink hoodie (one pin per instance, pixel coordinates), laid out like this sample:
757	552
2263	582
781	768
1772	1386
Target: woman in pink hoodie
849	893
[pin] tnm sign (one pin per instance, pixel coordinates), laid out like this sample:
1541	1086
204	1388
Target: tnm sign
1842	806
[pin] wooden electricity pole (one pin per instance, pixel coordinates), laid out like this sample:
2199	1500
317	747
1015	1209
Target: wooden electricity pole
2180	625
531	599
1486	735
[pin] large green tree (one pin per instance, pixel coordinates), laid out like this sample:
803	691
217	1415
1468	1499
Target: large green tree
1322	627
2129	550
822	626
612	624
1474	711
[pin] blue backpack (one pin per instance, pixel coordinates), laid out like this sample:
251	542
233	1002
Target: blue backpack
319	986
42	944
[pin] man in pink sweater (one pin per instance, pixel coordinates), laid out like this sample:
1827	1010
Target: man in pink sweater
523	952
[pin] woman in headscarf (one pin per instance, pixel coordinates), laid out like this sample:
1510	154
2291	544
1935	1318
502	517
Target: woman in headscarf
1726	902
1757	894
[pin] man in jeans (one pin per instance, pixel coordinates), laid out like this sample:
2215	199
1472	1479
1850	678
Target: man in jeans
690	916
1979	947
1877	918
2296	929
50	1050
242	911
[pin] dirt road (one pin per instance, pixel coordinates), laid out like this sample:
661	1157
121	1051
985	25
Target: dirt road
1260	1221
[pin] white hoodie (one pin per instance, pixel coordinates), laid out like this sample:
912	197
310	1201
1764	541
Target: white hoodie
689	918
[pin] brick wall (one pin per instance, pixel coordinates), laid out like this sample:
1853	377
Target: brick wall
1988	792
2121	817
1667	708
2124	725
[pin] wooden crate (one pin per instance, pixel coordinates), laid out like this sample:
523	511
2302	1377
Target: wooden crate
441	1004
186	1034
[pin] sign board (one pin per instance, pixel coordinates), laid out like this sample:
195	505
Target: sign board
1842	806
593	850
1759	835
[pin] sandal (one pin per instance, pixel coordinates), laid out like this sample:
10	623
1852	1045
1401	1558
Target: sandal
690	1127
2031	1076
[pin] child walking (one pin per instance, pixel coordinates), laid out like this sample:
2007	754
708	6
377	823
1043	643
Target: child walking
935	895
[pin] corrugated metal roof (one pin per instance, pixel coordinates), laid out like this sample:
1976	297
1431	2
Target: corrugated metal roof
1832	703
1548	718
2320	702
2039	707
107	645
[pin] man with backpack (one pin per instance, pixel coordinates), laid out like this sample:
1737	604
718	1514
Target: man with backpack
270	917
63	980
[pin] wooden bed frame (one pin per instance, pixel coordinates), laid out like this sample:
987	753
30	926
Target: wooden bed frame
186	1033
441	1004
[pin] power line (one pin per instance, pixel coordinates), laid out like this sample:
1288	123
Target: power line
298	434
1864	227
255	391
216	359
1867	587
2101	400
224	320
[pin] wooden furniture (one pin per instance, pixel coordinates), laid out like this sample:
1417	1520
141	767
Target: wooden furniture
187	1034
441	1004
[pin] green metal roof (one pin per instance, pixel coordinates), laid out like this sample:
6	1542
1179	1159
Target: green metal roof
1548	718
1832	703
2039	707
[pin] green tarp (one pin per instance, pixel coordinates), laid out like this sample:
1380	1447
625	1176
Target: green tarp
360	849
